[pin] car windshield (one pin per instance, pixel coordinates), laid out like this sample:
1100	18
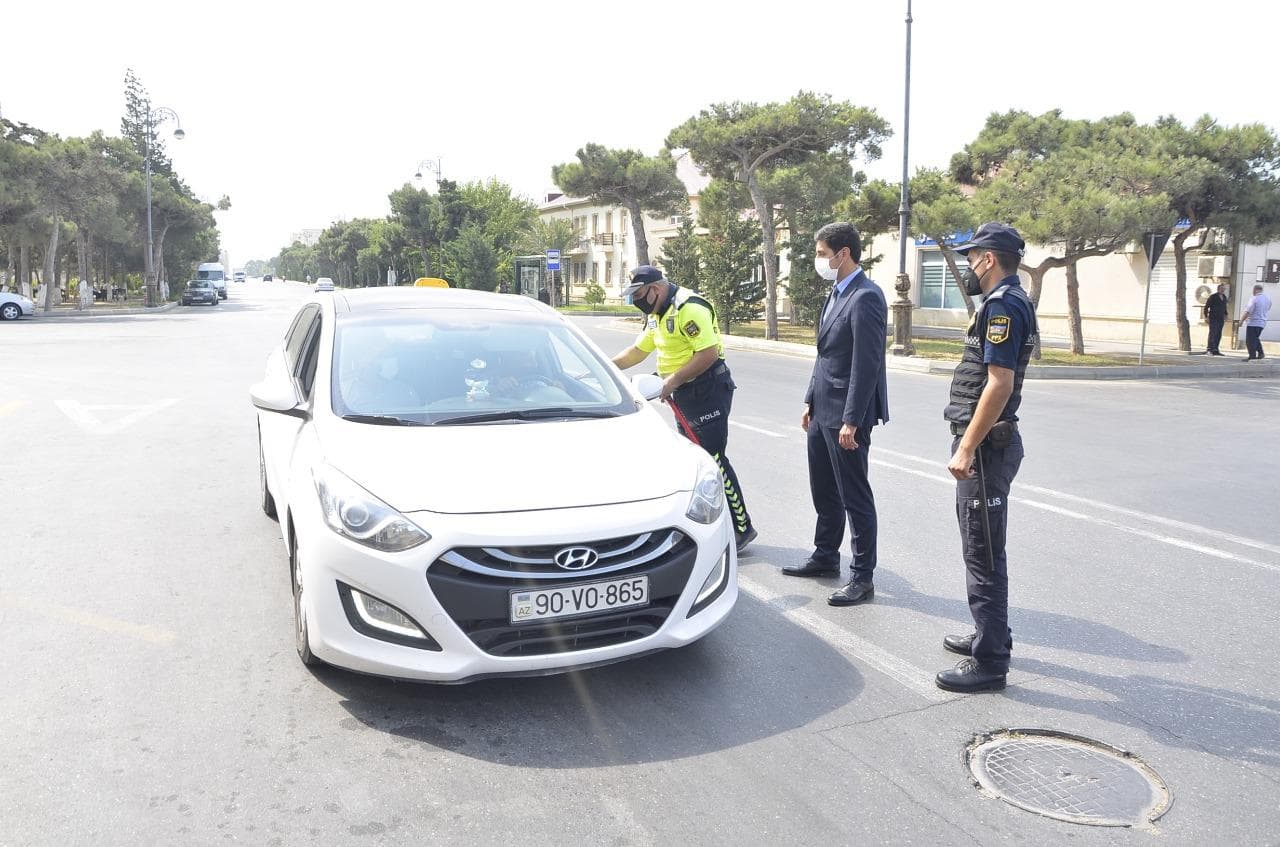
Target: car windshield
436	366
198	283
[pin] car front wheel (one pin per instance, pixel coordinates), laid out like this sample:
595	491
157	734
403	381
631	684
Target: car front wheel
302	636
268	502
10	312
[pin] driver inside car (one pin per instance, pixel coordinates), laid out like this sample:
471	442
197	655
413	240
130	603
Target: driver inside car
521	378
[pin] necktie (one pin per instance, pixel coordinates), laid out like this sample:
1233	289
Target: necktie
831	302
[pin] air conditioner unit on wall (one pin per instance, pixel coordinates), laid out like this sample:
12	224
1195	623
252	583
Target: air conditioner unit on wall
1214	266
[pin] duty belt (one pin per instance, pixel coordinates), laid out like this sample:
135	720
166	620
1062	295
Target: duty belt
959	428
715	370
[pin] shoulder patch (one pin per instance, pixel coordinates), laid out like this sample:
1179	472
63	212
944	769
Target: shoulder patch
998	329
691	329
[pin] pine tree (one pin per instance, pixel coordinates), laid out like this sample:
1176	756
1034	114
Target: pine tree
133	126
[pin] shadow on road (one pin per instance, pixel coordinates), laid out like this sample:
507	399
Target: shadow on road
1236	726
756	676
1030	626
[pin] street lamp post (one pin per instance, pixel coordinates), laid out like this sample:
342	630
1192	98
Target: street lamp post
432	165
155	117
902	307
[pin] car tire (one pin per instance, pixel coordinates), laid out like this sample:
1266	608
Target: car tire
268	502
10	312
301	632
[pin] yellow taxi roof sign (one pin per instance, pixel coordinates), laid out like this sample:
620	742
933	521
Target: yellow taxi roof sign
429	282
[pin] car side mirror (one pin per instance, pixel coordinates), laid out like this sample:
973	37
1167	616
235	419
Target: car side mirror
276	395
649	386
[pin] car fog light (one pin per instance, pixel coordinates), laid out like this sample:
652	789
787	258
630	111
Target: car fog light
714	585
379	619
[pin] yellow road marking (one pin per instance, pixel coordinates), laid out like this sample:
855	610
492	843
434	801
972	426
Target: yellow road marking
66	614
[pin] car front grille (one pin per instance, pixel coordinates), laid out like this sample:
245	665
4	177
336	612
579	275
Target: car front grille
474	586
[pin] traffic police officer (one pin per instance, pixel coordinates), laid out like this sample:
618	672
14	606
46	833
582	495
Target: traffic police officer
681	326
986	391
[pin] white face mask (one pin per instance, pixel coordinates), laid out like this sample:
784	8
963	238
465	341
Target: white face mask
823	268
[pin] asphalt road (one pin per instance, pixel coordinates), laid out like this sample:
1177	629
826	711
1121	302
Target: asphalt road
152	694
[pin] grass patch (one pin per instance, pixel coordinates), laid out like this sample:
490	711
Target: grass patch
786	332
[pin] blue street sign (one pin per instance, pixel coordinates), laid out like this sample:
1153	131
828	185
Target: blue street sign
553	260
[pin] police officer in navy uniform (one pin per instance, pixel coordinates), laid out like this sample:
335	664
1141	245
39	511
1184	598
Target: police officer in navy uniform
986	391
681	326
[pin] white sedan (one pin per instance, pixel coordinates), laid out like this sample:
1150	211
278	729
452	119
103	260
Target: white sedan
14	306
467	487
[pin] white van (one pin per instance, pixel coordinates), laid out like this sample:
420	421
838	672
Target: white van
216	274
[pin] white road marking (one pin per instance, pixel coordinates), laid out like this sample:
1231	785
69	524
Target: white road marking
1096	521
1111	507
86	418
67	614
756	429
1097	504
914	678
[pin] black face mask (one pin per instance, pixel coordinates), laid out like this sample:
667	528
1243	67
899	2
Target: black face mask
643	305
971	282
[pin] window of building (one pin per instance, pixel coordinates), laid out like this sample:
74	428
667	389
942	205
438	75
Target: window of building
938	288
608	274
595	224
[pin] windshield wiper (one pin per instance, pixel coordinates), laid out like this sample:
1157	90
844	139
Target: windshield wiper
528	415
383	420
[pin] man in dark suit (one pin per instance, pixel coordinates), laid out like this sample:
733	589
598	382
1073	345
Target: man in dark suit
848	395
1215	312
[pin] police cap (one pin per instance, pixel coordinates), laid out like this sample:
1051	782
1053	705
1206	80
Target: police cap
640	277
995	236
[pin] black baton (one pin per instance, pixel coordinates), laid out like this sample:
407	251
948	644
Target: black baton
986	518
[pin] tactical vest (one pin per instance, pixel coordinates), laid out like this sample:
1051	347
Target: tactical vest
970	375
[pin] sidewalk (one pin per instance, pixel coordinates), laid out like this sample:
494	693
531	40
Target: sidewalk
99	311
1161	362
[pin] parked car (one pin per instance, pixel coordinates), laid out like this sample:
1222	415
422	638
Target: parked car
200	291
461	492
324	283
14	306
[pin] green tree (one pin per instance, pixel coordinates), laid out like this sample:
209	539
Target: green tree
134	125
1230	178
742	141
681	257
730	260
422	219
474	259
625	178
1083	187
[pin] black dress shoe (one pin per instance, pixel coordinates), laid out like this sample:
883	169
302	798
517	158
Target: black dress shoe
969	677
963	644
745	538
852	594
811	568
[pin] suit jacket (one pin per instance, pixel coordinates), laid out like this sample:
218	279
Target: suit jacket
848	383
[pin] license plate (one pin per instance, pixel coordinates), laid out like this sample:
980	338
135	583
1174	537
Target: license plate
582	599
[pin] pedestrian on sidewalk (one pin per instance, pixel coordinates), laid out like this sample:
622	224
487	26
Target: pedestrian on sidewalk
1255	318
1215	312
848	395
986	448
681	325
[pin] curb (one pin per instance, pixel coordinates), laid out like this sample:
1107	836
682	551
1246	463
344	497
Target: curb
75	314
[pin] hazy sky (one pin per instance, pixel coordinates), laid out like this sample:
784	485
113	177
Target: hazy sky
305	113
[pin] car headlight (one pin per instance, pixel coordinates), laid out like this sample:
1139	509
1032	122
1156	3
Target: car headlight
354	513
706	503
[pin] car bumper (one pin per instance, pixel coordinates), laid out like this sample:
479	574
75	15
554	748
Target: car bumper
439	599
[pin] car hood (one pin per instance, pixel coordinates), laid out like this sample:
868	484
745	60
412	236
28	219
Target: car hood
510	467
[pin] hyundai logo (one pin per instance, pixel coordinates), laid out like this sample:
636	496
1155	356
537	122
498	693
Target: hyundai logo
576	558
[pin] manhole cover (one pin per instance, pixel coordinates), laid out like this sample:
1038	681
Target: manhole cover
1068	778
